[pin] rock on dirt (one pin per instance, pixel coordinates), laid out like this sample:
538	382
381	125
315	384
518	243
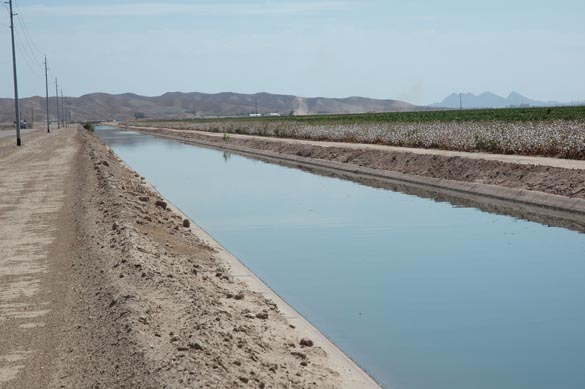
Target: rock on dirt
161	204
306	342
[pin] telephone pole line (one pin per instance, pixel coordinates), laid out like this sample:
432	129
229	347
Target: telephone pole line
57	95
47	93
16	107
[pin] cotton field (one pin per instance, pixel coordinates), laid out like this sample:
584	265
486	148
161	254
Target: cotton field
554	138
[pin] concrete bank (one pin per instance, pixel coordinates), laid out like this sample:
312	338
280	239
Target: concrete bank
561	206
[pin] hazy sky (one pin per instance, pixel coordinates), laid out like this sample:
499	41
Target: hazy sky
417	51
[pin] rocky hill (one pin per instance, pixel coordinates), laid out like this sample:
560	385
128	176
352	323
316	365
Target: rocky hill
103	106
491	100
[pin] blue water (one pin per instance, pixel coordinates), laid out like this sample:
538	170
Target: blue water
423	295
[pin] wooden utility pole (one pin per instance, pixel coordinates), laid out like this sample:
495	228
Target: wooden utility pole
16	102
47	95
57	96
62	110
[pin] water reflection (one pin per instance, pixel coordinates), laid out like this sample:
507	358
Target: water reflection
420	293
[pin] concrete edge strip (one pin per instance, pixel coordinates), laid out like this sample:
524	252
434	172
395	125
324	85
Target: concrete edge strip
519	196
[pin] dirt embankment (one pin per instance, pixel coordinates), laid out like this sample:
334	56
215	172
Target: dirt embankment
135	299
172	304
547	179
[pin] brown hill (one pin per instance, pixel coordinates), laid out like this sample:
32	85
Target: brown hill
103	106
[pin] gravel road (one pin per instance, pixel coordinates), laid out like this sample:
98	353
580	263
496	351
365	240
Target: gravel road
33	269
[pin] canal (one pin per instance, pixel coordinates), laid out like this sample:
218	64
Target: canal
422	294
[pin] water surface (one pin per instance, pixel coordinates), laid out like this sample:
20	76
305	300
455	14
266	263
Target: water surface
423	295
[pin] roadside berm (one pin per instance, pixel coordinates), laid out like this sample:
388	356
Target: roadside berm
104	284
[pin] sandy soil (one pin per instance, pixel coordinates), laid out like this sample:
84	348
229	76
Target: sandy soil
549	175
33	270
105	285
6	133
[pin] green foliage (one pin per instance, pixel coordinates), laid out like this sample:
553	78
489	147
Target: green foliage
472	115
487	145
89	126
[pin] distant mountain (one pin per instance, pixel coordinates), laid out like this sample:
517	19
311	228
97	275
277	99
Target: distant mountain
176	105
491	100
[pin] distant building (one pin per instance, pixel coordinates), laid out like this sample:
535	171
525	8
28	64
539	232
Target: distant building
255	115
274	114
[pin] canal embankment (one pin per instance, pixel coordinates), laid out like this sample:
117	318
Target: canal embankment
118	289
546	190
208	319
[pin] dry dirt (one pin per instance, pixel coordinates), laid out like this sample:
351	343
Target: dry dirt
548	175
102	285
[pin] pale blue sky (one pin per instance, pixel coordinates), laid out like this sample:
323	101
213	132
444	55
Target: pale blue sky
417	51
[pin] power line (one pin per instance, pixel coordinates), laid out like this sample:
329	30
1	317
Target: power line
24	41
24	44
28	36
30	52
28	59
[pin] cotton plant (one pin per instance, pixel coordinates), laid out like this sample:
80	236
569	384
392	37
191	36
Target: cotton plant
559	138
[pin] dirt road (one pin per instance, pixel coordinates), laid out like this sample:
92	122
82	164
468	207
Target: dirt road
12	133
33	259
103	284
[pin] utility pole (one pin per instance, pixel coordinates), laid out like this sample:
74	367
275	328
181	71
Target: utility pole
460	101
63	116
68	117
32	117
57	95
16	107
47	93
